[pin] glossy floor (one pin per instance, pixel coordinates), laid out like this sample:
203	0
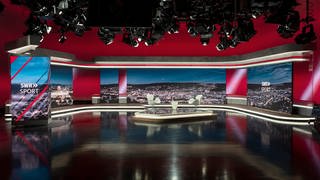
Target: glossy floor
111	146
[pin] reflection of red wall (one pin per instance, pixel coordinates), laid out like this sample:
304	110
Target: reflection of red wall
85	83
306	156
302	82
236	82
236	128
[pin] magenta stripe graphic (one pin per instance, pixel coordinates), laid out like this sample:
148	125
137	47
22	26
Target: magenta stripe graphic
24	65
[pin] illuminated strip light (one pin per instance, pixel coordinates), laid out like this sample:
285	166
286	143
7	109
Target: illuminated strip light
91	110
302	131
158	117
233	84
176	66
60	59
236	64
8	119
23	49
285	55
96	107
241	109
267	119
303	106
234	97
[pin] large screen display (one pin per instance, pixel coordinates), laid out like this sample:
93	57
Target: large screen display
177	84
271	87
109	88
30	95
61	86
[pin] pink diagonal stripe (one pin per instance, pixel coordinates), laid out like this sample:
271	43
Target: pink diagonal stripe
21	68
33	149
13	58
31	104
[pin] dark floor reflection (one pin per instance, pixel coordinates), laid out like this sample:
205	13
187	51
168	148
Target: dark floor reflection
110	145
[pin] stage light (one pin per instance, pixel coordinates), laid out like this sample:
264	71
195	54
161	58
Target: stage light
308	35
130	40
106	35
205	38
62	38
290	26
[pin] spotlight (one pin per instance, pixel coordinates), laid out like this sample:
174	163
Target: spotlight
106	35
224	42
129	39
290	26
308	35
205	39
62	38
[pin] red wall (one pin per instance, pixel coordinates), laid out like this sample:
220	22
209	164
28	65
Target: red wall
302	82
236	82
85	83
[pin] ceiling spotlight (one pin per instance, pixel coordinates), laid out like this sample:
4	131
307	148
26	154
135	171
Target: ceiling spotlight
129	39
308	35
62	38
205	39
290	26
106	35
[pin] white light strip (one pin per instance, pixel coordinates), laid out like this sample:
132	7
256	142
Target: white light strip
303	106
8	119
159	117
233	97
302	131
267	119
242	109
252	60
95	107
178	67
7	115
92	110
23	49
60	59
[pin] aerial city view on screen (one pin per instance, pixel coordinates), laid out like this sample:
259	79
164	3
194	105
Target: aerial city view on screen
271	87
177	84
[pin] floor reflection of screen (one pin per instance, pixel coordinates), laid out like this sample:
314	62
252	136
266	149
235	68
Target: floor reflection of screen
30	154
178	84
61	86
271	87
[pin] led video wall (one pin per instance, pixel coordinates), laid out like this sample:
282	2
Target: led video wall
109	88
61	86
271	87
30	97
177	84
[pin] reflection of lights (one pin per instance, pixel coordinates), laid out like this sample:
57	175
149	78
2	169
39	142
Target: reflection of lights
204	168
174	169
315	156
137	174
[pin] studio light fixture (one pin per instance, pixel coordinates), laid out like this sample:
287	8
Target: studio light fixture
202	18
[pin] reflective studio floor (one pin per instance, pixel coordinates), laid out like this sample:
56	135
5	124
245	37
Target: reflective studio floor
109	145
